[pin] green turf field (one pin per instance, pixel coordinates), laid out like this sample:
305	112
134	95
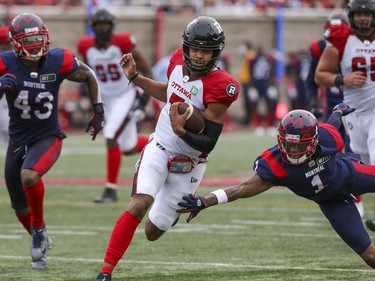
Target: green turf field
274	236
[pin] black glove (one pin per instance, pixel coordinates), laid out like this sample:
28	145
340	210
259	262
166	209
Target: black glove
344	108
96	122
8	82
193	205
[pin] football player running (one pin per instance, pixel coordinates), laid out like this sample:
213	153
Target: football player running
31	76
333	95
174	161
308	161
124	106
351	49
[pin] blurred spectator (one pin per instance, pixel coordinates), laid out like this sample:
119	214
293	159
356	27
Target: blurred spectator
262	73
248	53
296	71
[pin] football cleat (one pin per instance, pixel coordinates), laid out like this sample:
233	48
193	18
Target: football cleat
104	277
40	244
109	195
370	223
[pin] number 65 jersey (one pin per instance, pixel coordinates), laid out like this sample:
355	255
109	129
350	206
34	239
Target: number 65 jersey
355	55
33	104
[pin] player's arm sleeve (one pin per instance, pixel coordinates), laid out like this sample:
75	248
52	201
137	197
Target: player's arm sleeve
206	141
335	120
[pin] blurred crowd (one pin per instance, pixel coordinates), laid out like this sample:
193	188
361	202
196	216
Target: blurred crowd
170	5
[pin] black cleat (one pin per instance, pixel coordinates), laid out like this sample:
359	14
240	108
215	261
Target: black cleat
104	277
109	195
370	223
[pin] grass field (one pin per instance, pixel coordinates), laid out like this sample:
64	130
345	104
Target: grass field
274	236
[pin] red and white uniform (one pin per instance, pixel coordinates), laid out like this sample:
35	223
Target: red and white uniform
118	98
357	55
153	176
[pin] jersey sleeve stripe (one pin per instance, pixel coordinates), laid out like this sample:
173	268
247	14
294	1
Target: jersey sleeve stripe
335	135
68	63
3	68
274	165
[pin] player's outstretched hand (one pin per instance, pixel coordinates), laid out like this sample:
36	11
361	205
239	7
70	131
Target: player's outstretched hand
344	108
96	122
8	82
192	204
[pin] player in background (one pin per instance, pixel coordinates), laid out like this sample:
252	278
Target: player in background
351	50
333	95
308	161
30	78
263	87
174	161
124	106
4	117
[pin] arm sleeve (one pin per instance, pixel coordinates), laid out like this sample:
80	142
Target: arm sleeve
335	120
206	141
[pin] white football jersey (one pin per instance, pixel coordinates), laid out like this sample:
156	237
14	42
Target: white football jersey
217	87
355	55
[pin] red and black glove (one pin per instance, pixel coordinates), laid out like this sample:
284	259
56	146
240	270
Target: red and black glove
96	122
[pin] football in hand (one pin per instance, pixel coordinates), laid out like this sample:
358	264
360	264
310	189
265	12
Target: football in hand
195	120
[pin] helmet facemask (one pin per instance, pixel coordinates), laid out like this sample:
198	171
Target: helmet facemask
296	150
103	31
31	46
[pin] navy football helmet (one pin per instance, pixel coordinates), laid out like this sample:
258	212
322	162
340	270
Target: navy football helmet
203	33
361	6
102	16
29	37
297	136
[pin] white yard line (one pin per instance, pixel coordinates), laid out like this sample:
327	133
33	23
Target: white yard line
200	264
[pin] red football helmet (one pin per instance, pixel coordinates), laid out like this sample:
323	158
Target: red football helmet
29	37
298	136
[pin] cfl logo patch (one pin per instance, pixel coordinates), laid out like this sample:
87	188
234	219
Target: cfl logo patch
231	89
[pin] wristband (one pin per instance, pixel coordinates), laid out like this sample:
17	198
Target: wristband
221	196
133	77
98	108
339	81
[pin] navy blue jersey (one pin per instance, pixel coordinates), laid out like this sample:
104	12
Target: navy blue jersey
33	104
326	177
